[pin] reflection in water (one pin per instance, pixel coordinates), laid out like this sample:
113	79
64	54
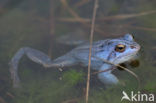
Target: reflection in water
38	23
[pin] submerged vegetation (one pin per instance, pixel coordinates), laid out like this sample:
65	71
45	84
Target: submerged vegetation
37	25
73	77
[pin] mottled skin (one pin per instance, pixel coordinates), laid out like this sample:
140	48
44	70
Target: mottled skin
103	49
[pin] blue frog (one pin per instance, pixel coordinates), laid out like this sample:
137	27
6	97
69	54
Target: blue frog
116	51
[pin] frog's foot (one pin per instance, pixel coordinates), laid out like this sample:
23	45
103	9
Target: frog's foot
37	57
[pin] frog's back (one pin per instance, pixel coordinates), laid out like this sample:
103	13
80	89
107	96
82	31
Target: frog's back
81	53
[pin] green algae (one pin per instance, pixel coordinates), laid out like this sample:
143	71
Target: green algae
73	77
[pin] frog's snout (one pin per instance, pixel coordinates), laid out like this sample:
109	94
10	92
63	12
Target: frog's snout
137	47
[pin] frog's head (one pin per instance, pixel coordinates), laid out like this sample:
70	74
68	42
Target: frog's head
120	50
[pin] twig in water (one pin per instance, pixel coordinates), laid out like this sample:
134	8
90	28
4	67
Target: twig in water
141	28
108	18
10	95
102	71
77	17
126	16
75	100
90	48
52	26
2	100
73	13
82	2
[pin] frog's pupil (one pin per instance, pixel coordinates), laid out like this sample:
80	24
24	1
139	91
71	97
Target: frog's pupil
120	48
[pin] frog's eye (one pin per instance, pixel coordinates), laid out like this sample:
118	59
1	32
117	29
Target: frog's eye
120	48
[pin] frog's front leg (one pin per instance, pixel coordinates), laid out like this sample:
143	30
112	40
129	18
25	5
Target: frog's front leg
107	77
38	57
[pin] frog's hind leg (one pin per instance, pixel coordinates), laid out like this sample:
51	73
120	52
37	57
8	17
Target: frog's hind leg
38	57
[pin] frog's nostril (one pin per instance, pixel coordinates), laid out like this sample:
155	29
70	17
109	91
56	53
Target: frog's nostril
132	47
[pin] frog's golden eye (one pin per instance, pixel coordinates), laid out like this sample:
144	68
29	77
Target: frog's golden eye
120	48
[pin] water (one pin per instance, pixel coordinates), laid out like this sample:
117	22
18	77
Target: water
39	23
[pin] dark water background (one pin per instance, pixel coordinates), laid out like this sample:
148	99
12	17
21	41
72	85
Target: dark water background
39	23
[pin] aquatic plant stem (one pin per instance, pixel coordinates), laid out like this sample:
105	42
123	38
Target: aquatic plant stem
109	18
52	26
90	48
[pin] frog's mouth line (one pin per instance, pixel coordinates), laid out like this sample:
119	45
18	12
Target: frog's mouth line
124	58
